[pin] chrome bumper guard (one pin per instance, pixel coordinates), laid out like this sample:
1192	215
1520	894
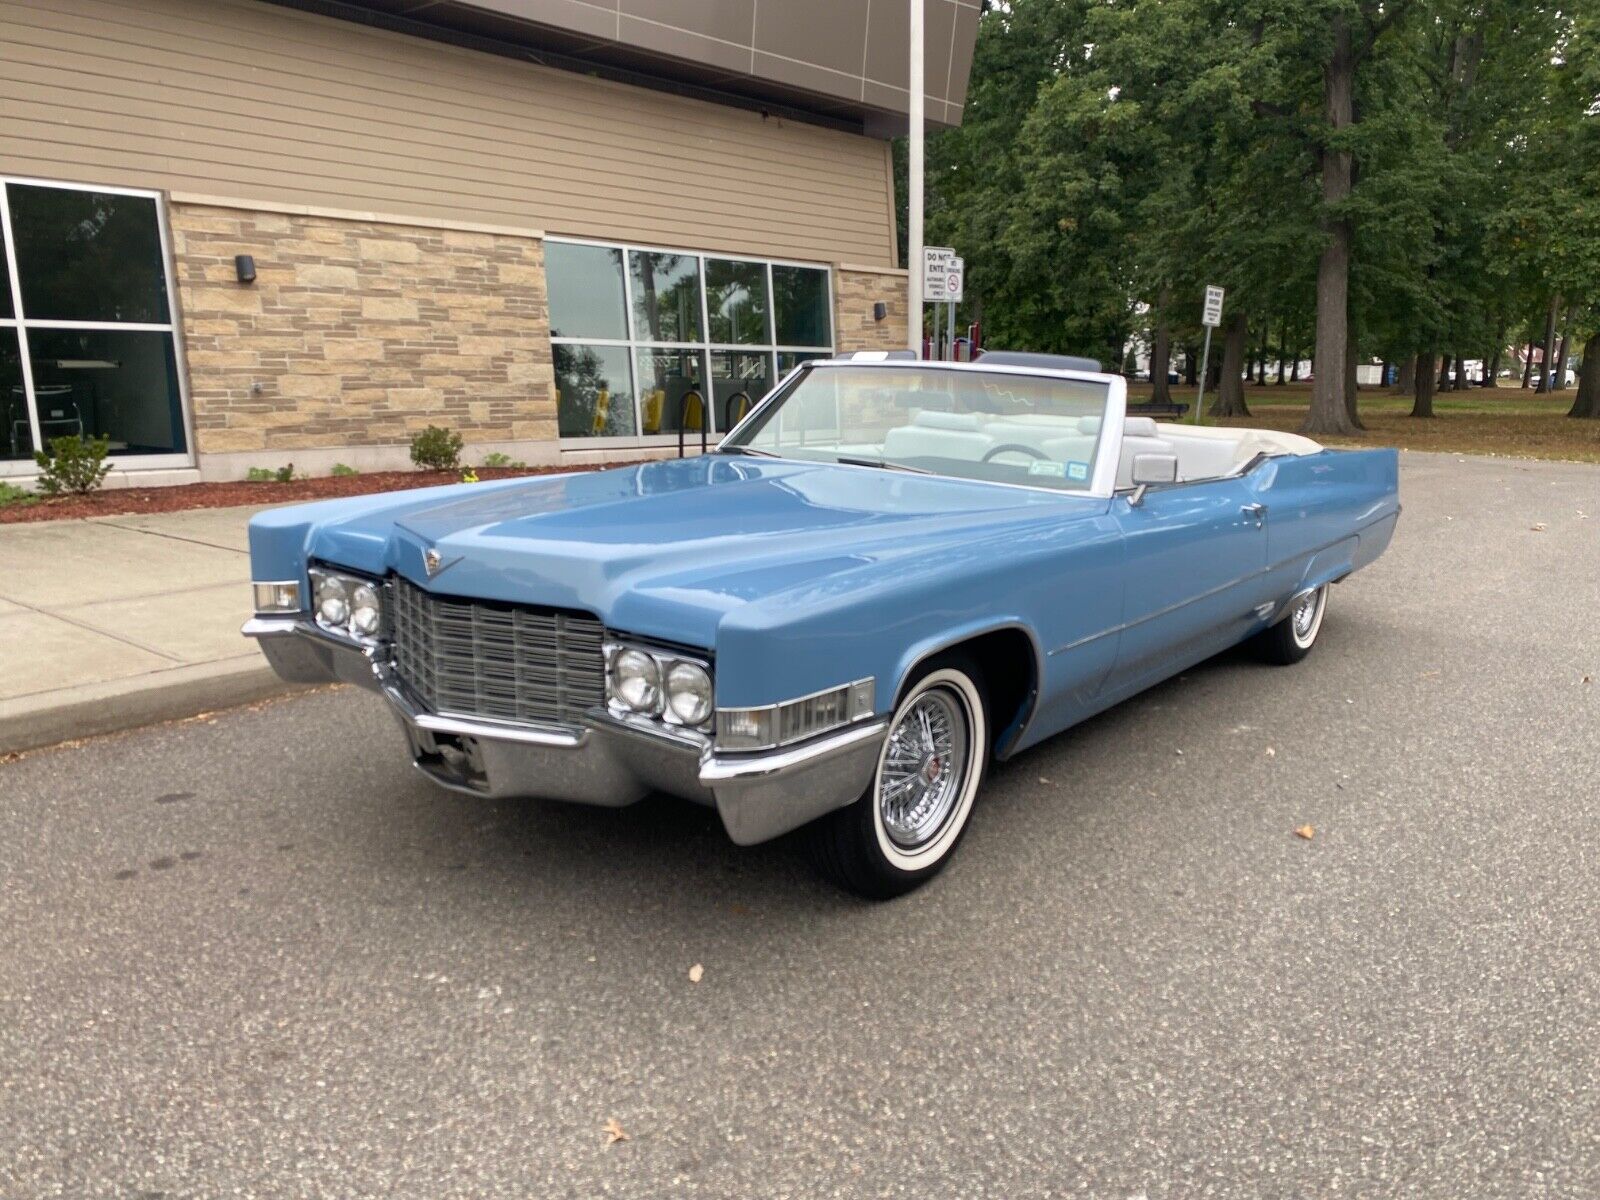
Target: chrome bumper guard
606	760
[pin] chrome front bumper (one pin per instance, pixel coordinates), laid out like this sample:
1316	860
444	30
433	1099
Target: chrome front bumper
606	760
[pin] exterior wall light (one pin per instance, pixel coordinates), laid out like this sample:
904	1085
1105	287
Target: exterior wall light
244	266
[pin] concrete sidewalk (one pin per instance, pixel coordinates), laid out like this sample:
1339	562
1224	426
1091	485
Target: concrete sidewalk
114	622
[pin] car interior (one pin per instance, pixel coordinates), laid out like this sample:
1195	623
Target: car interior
1020	439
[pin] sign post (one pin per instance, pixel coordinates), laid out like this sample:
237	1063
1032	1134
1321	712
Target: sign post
914	117
943	278
1210	317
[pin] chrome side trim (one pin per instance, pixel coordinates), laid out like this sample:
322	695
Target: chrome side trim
764	765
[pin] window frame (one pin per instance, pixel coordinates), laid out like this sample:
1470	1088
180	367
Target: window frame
20	323
704	348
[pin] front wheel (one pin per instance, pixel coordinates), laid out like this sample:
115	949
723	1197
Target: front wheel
1290	639
903	830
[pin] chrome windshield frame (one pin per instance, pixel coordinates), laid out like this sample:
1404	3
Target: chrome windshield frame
1103	477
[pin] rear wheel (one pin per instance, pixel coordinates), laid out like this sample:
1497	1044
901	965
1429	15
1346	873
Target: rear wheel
905	827
1290	639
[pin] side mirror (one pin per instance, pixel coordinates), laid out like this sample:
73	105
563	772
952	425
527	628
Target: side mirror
1155	468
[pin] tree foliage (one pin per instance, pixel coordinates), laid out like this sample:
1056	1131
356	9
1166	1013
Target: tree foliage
1402	179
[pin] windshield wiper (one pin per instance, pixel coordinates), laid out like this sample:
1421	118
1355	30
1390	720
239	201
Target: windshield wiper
885	464
751	450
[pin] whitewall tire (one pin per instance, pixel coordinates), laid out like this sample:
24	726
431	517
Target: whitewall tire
1290	639
905	827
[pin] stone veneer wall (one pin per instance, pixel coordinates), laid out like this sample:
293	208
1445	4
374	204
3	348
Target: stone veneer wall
856	289
359	333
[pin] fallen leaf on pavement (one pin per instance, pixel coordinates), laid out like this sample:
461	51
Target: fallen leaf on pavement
614	1131
1537	527
1271	753
696	973
1305	831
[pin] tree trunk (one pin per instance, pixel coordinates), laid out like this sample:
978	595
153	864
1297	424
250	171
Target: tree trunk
1328	412
1191	365
1560	366
1350	385
1444	373
1161	354
1405	383
1422	405
1491	369
1294	368
1527	366
1461	372
1230	388
1549	345
1587	405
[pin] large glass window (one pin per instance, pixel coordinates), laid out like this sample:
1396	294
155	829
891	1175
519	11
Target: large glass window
666	296
678	339
594	391
87	344
585	284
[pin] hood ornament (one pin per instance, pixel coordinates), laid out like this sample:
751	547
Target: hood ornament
431	561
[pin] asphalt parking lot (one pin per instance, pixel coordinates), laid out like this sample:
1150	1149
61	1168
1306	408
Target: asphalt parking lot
257	955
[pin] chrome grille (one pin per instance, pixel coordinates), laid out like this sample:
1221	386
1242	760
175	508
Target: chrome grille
480	659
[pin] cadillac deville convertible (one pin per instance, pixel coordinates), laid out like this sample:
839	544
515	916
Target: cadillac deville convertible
890	573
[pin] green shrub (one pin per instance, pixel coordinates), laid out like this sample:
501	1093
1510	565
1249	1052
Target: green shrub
11	494
283	474
340	471
73	465
436	449
497	460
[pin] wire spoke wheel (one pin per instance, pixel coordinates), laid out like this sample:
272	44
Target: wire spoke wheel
925	768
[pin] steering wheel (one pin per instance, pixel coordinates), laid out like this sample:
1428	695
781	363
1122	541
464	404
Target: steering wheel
1012	448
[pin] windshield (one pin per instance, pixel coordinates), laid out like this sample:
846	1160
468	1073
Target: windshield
995	426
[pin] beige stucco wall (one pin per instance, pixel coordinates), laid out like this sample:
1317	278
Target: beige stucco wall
247	100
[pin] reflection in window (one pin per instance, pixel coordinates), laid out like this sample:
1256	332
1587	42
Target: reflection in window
121	385
739	378
736	295
585	286
671	390
16	437
666	296
594	392
88	256
801	305
788	360
647	336
5	284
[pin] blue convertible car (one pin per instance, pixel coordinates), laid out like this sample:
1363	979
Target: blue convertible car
889	573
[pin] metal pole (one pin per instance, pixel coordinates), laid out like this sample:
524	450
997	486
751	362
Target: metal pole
950	330
933	348
1205	361
914	188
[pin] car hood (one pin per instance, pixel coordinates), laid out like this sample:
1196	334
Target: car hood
664	549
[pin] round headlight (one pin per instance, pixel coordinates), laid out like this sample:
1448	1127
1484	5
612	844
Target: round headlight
689	693
364	610
333	606
637	680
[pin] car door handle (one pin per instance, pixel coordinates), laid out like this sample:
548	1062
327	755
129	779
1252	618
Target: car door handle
1258	511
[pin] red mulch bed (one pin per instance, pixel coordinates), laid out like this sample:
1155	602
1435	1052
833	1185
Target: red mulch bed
121	501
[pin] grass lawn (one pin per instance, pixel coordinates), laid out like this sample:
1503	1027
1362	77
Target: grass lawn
1505	421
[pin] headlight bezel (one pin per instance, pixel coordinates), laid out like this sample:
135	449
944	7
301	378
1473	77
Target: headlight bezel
329	582
659	707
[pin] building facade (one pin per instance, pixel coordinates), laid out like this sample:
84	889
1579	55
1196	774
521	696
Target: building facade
238	234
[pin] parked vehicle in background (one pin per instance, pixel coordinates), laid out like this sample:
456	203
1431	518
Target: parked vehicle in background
889	574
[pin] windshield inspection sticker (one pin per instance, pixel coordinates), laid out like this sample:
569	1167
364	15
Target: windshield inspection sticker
1078	470
1040	467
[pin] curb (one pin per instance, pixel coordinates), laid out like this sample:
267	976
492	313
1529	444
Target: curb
44	719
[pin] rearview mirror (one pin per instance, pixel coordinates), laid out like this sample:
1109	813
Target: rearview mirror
1155	468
